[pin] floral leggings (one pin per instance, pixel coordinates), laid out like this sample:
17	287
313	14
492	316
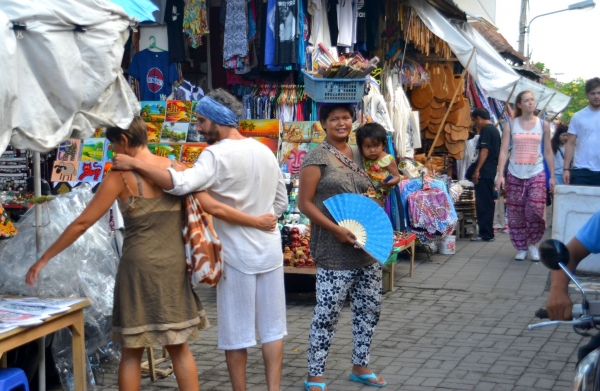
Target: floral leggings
525	201
364	286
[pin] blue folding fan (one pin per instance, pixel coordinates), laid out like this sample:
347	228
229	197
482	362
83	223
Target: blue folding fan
366	220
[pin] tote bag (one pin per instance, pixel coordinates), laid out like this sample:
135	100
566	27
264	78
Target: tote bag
202	245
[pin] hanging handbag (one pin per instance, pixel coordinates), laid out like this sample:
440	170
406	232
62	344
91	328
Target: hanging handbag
202	245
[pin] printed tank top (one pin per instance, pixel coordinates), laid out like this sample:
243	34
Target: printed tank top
526	159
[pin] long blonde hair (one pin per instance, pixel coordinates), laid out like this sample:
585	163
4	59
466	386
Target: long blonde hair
518	111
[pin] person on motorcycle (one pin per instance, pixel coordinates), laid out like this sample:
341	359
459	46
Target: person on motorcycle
585	242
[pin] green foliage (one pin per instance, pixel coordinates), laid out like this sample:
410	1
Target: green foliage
576	90
542	67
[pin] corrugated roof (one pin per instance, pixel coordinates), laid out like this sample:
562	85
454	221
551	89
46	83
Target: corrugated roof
498	42
449	7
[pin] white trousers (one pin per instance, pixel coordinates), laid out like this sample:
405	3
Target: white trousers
247	302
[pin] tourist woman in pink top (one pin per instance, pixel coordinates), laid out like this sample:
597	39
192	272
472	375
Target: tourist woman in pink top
525	182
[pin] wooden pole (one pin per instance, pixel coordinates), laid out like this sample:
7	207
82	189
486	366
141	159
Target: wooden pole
506	103
546	105
462	77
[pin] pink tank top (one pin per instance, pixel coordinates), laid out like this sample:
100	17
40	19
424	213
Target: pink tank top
526	159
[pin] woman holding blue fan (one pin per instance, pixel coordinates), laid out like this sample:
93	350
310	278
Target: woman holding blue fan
334	168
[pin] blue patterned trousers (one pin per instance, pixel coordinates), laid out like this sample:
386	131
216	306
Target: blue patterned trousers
364	286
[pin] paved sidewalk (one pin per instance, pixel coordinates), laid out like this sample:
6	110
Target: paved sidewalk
458	324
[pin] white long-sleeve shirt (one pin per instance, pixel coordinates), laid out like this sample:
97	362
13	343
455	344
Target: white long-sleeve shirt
242	174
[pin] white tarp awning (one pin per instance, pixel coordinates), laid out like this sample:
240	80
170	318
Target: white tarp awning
490	70
64	67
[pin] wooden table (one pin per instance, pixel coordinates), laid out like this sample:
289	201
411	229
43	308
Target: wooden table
73	319
313	270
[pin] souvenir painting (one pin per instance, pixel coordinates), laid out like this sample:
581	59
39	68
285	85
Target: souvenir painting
69	150
292	156
62	188
153	111
318	134
193	136
154	130
170	151
191	152
63	171
99	132
265	131
312	146
90	171
193	117
108	151
178	111
107	168
297	132
174	132
92	150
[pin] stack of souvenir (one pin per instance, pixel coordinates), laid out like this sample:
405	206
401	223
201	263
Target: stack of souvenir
296	246
325	63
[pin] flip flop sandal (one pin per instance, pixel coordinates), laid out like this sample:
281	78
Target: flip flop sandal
309	384
364	379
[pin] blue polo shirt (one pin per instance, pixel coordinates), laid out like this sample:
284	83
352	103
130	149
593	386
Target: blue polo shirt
589	234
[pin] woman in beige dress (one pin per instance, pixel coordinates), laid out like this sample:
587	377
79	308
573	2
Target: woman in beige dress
154	304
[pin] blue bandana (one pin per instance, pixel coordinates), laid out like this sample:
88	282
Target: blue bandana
216	112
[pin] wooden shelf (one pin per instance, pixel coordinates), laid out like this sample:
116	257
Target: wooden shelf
300	270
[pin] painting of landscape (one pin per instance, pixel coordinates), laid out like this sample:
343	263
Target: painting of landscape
265	131
153	111
174	132
92	150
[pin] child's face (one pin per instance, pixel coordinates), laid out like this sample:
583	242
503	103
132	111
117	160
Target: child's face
372	149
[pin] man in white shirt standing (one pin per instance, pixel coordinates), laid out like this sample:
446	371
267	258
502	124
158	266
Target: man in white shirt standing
583	142
244	174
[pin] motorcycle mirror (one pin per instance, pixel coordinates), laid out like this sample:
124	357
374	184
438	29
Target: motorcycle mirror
553	252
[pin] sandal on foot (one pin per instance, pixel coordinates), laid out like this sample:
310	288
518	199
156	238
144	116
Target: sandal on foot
309	384
364	379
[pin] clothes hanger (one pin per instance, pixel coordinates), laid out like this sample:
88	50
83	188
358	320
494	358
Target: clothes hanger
153	44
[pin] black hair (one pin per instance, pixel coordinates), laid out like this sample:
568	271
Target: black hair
481	112
327	109
555	142
371	131
136	133
591	84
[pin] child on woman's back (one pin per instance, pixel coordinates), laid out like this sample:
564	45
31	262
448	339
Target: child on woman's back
380	165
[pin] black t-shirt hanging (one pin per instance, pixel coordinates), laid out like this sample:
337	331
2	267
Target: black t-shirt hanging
286	32
174	22
361	22
373	13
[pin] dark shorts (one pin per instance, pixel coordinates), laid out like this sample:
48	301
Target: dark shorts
585	177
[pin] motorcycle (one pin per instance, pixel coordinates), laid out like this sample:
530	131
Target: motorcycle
586	316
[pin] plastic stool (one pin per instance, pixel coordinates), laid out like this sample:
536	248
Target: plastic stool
13	379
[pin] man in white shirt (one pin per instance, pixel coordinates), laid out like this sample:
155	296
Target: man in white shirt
583	142
244	174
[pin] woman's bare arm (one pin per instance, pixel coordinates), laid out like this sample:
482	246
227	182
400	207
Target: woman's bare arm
107	193
266	222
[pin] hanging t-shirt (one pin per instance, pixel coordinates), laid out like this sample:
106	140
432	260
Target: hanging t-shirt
286	32
155	73
174	20
346	21
319	29
361	23
373	13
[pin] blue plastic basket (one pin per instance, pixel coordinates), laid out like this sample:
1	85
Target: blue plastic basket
334	90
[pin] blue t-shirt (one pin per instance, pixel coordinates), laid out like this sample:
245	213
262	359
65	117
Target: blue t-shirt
155	73
588	235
